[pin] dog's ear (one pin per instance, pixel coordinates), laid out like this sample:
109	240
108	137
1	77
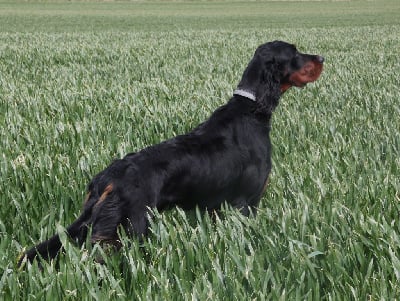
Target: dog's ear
262	78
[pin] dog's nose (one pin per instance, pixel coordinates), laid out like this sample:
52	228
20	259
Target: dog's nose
320	59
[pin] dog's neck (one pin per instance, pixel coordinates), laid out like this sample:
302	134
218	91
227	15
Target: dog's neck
244	93
263	110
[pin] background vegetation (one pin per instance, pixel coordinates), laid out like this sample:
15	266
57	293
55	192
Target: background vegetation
82	83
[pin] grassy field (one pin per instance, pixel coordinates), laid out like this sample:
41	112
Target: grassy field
82	83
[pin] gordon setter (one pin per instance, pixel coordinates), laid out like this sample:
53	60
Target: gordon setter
225	159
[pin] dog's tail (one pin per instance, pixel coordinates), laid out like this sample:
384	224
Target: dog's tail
49	249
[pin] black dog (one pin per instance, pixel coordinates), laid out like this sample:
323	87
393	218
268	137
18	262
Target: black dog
227	158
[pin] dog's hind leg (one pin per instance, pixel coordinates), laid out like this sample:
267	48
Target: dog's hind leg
106	216
137	224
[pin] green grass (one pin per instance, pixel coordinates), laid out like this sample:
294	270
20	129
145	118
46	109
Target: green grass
83	83
61	16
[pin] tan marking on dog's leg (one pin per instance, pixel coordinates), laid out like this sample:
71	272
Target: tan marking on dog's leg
105	193
100	238
109	246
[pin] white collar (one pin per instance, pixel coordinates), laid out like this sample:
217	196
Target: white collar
247	94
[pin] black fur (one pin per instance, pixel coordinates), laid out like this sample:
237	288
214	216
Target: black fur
227	158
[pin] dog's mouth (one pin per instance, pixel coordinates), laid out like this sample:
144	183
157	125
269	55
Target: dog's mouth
310	72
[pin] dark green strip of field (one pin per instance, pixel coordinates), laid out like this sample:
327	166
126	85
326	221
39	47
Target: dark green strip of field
167	16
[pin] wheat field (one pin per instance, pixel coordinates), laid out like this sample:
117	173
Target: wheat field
82	83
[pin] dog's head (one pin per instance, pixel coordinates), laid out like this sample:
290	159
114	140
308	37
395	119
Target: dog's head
275	67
